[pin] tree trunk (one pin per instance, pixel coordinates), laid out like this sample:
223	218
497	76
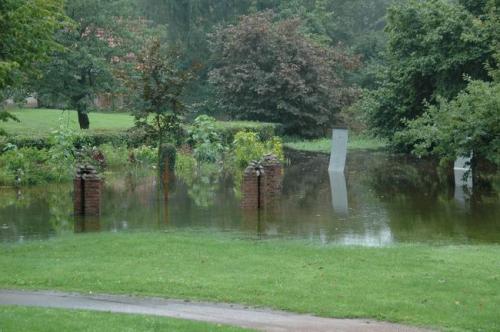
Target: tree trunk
83	117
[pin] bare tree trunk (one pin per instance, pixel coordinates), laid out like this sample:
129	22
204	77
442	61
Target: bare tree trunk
83	117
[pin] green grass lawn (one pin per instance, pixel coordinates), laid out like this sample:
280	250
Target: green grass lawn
40	122
450	287
26	319
324	144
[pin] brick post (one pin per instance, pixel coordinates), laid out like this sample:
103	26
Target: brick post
264	191
78	192
250	189
271	186
87	192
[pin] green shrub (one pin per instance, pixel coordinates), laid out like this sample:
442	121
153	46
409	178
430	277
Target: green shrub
115	155
132	138
185	167
206	140
265	131
29	166
469	123
145	155
247	147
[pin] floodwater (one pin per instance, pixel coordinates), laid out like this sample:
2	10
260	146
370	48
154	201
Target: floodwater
381	200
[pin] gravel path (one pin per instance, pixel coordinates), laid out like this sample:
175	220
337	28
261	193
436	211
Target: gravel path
263	320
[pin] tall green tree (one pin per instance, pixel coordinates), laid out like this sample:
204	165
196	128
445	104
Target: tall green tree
95	48
26	37
469	123
434	47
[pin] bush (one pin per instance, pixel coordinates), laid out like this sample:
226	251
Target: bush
116	155
145	155
185	167
29	166
247	147
206	139
265	131
468	123
133	138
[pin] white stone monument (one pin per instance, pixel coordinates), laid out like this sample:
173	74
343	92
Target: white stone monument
463	178
339	150
336	168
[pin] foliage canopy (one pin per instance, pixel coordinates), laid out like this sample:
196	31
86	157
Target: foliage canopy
268	71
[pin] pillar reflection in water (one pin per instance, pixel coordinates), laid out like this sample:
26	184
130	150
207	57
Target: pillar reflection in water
87	224
339	193
167	178
463	179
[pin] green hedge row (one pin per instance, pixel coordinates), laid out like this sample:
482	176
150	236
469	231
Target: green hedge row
266	131
136	137
94	139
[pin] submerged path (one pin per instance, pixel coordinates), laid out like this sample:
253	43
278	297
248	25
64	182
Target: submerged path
264	320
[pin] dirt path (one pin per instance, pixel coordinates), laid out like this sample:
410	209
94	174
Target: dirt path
264	320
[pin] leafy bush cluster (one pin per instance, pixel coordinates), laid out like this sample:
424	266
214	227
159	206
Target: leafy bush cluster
248	147
206	139
470	122
27	166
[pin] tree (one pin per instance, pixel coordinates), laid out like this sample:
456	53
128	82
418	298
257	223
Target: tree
23	22
469	123
269	71
433	46
162	81
95	47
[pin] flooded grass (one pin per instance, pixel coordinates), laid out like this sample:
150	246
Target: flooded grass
450	287
21	319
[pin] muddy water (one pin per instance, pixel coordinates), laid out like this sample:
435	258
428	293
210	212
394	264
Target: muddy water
381	200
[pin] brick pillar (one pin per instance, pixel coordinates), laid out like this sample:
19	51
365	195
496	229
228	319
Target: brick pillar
250	189
87	192
78	192
271	186
264	191
92	194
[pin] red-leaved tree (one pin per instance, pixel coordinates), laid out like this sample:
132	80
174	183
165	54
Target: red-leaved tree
269	71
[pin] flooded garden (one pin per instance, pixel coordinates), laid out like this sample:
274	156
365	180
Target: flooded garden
383	199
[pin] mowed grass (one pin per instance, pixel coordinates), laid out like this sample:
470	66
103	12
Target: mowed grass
41	122
25	319
324	144
450	287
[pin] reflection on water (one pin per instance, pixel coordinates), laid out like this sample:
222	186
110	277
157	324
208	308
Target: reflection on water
339	193
381	199
463	180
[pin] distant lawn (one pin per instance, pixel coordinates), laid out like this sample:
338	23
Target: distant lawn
27	319
40	122
449	287
324	144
